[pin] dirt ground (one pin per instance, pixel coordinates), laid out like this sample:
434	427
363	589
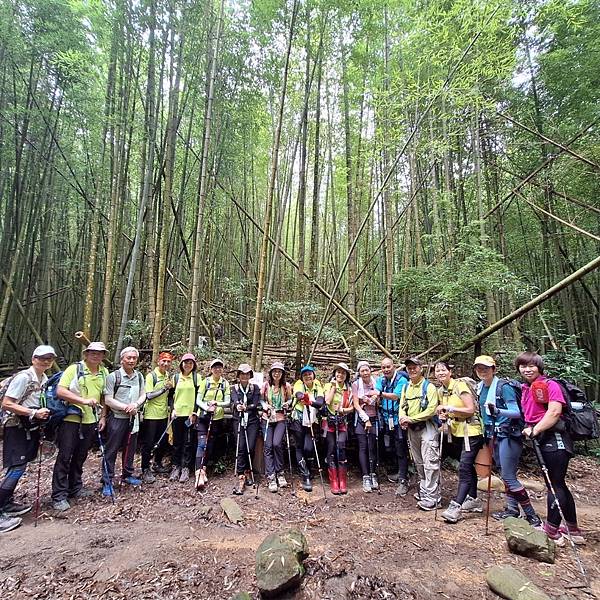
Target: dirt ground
167	541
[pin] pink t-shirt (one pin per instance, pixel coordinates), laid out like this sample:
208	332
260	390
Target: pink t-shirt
533	411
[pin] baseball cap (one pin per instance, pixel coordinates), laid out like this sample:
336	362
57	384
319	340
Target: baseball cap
43	350
245	368
215	362
307	369
413	360
485	360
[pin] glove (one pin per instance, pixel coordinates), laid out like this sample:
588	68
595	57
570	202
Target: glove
306	400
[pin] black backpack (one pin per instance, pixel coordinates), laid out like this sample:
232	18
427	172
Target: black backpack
580	415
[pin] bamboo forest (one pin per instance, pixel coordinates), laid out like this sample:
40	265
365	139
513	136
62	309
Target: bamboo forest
387	177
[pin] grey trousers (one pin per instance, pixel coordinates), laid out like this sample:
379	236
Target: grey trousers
118	437
425	449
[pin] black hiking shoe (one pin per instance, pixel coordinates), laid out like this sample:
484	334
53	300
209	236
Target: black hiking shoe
14	509
504	514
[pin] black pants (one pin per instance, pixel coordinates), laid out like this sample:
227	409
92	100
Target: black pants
367	448
302	439
400	440
467	477
332	453
184	443
251	432
557	462
273	436
206	440
150	432
18	448
118	437
74	441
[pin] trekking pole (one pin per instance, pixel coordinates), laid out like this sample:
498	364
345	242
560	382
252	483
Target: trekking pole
489	482
103	456
287	439
435	514
125	455
314	441
160	439
544	467
237	447
266	435
377	455
203	461
39	477
249	456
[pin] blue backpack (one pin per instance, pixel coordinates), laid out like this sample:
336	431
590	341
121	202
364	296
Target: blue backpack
59	409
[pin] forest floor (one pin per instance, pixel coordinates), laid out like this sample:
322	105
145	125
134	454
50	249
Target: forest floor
162	541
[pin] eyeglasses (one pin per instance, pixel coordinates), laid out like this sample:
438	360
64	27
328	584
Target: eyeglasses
45	358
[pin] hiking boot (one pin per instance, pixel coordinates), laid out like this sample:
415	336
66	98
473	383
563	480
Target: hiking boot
452	513
131	480
81	494
402	488
281	481
367	488
272	483
107	490
374	482
14	509
429	504
148	476
333	481
343	479
534	521
238	490
8	523
158	468
175	473
504	514
185	475
307	484
472	505
575	533
61	506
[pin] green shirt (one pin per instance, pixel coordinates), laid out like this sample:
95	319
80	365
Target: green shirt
156	408
219	392
87	386
414	405
185	394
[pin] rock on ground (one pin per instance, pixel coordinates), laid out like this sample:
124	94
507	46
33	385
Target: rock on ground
232	509
509	583
523	539
279	562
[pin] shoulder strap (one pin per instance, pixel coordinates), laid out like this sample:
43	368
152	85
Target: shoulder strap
196	386
80	370
117	382
154	378
140	379
176	379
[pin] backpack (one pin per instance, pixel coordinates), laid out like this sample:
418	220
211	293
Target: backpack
470	383
4	384
580	415
118	381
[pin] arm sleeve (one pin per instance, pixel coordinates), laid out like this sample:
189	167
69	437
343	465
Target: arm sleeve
512	408
200	403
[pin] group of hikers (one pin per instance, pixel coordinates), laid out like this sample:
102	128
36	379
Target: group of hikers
415	418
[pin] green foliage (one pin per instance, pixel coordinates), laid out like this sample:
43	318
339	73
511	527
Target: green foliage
569	362
448	300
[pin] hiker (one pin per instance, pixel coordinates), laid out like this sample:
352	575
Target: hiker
81	385
184	392
245	400
502	424
276	397
459	413
418	404
543	404
390	385
156	413
23	422
308	399
338	405
214	394
124	395
366	424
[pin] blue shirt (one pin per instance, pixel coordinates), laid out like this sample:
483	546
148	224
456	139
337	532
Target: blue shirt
389	408
505	414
